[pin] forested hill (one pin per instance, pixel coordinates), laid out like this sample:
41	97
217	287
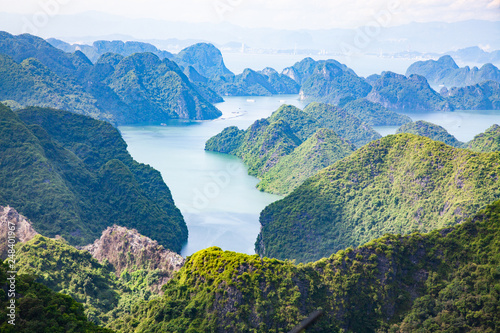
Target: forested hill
291	145
123	90
432	131
398	184
438	282
487	141
72	176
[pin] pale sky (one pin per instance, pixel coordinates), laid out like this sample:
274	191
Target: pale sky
282	14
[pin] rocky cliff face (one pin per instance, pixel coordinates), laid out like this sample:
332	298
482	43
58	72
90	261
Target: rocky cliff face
126	249
23	229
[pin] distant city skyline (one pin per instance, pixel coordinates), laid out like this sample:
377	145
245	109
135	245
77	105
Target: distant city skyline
277	14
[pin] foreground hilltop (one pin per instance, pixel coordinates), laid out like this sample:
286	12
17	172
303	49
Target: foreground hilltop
398	184
444	280
439	281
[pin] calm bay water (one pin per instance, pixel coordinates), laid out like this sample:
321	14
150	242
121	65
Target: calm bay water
464	125
216	196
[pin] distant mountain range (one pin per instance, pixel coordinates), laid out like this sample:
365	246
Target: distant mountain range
329	81
445	71
100	47
123	90
437	37
473	54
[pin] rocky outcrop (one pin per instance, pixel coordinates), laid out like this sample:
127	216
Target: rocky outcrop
23	229
412	93
445	71
126	249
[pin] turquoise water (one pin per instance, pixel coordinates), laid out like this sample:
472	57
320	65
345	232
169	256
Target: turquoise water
464	125
216	196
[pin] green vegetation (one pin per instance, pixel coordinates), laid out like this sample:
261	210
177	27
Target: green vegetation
444	281
343	123
333	83
487	141
413	93
432	131
292	145
31	83
252	83
398	184
205	58
481	96
39	309
67	270
303	69
70	67
100	47
320	150
72	176
104	292
375	114
123	90
202	85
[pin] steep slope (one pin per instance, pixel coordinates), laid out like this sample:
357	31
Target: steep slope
100	47
343	123
105	291
486	142
320	150
445	71
205	58
270	147
32	83
264	143
39	309
432	131
129	268
122	90
375	114
68	66
282	84
301	70
254	83
481	96
398	184
333	83
72	176
21	229
157	90
436	282
202	85
413	93
67	270
133	255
